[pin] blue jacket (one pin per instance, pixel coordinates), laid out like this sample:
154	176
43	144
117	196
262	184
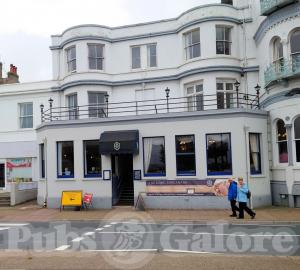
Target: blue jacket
232	191
242	193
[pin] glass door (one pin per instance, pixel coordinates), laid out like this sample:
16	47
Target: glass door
2	175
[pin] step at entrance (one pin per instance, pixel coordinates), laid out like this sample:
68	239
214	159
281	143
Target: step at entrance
4	199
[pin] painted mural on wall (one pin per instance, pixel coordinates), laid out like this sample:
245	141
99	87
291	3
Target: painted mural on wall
19	170
206	187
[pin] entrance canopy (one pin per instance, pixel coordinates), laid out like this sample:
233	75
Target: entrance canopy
119	142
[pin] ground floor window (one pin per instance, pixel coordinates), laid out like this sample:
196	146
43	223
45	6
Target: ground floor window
154	156
282	142
65	159
185	155
42	160
92	159
219	160
255	153
297	138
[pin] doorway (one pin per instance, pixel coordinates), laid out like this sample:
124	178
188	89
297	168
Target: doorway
2	176
122	180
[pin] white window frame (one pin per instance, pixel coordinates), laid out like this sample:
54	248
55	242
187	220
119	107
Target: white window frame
73	113
187	46
149	55
225	92
278	142
140	58
25	116
98	107
224	41
70	61
277	60
192	97
101	58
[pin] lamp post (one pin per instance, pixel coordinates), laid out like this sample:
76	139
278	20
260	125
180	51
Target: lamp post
257	88
237	85
167	97
50	106
106	96
42	112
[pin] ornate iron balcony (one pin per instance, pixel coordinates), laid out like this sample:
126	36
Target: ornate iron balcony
283	69
270	6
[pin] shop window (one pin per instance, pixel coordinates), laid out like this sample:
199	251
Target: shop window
219	160
92	159
255	153
185	155
154	156
65	160
282	142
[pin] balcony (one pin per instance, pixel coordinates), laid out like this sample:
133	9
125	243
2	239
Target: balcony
282	70
270	6
221	101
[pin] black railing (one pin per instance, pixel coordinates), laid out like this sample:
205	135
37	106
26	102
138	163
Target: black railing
222	100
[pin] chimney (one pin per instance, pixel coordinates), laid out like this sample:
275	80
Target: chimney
12	75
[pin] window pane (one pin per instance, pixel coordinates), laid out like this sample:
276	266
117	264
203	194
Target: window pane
65	159
42	160
196	50
219	154
220	33
283	152
227	33
199	103
220	100
255	155
92	166
298	151
281	131
196	36
185	154
220	47
96	99
151	50
297	128
185	144
295	42
136	57
154	156
220	86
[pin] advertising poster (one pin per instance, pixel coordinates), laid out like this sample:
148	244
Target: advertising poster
19	170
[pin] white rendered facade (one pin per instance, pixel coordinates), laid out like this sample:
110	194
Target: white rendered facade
202	70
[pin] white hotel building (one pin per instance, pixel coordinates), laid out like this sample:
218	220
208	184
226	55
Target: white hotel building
163	108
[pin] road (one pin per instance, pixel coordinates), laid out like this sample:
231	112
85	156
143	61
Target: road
147	237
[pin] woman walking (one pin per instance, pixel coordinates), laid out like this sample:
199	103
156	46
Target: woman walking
242	191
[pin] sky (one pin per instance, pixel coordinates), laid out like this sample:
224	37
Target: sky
26	26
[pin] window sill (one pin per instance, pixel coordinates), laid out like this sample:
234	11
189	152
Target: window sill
220	174
92	178
154	175
257	176
66	179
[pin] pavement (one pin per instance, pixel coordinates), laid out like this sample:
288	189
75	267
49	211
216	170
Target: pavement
32	212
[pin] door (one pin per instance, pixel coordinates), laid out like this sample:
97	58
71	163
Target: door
2	175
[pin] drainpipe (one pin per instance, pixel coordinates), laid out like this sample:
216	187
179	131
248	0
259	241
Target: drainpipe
46	174
246	131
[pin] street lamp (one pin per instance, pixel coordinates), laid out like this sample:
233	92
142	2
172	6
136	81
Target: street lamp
106	96
167	97
257	88
237	85
42	112
50	105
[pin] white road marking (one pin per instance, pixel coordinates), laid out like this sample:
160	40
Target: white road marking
114	223
4	228
192	252
100	229
13	224
107	226
206	233
78	239
121	250
89	233
64	247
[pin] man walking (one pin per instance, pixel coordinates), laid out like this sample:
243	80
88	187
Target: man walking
232	194
242	191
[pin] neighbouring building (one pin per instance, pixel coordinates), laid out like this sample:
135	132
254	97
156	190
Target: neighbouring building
167	110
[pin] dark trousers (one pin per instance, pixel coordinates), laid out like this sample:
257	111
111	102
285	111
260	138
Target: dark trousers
234	208
243	206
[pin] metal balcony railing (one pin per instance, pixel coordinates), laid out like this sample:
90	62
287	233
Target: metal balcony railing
283	69
222	100
269	6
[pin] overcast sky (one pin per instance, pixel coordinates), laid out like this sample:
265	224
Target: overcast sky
26	25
